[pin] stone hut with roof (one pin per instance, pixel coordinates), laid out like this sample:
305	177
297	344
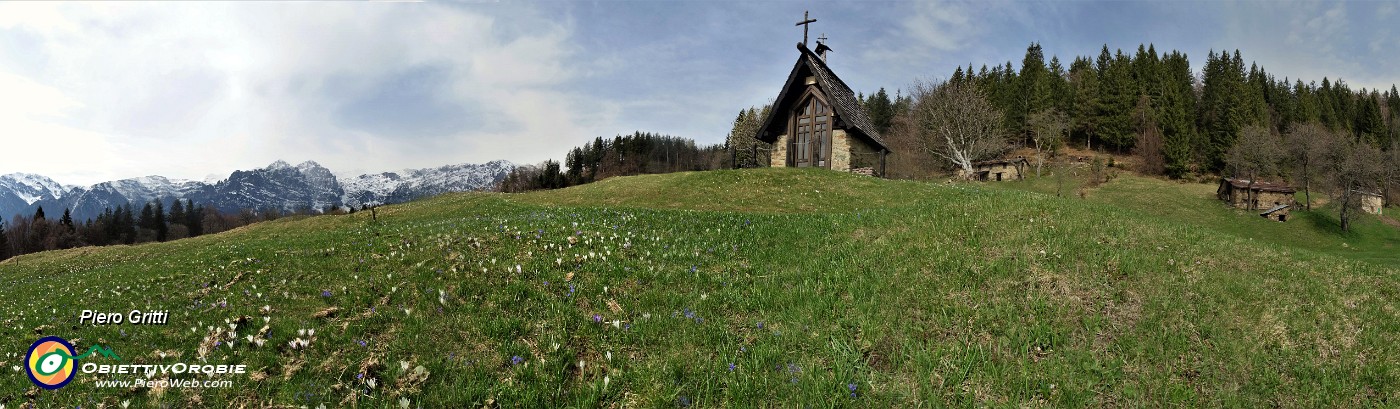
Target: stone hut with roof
1274	199
817	122
997	170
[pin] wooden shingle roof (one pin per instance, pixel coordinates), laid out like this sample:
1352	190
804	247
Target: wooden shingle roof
839	95
1260	186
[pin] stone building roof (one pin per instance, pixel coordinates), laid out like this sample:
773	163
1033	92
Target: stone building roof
1260	186
994	162
839	95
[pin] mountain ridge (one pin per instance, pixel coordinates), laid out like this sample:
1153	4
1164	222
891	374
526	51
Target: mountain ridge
279	185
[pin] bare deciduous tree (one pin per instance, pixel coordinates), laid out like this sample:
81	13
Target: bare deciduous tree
1392	171
1255	154
1048	130
955	122
1306	145
1354	167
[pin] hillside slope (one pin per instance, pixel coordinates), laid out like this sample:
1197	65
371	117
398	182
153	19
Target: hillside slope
1195	204
726	287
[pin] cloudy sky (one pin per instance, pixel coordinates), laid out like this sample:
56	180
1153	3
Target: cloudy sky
96	91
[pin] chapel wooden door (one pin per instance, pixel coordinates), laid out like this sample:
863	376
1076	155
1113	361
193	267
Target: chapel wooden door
811	144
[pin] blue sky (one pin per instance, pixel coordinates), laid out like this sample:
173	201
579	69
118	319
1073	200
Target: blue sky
105	91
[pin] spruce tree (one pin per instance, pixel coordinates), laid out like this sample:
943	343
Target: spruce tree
128	224
1116	102
881	110
1392	103
1059	86
67	220
1034	89
194	218
39	214
162	230
1177	106
1222	108
177	213
1306	97
1370	126
4	242
148	217
1084	98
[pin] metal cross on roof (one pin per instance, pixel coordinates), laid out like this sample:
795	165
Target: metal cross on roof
822	39
805	21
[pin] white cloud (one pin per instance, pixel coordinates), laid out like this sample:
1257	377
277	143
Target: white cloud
943	26
189	89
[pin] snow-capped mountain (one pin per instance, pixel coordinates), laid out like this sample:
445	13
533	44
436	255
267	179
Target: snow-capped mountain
30	188
278	186
19	190
390	187
88	201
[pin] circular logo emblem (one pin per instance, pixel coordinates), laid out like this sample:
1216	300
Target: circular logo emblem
50	363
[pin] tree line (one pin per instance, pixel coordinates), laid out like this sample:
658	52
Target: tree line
152	222
638	153
1153	104
1228	120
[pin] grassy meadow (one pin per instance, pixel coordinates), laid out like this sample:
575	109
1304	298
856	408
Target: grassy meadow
760	287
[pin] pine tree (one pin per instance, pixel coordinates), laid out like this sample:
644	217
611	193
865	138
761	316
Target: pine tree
177	213
1059	86
1177	106
1305	103
1033	87
1116	102
111	228
743	138
162	229
4	242
126	222
148	217
1392	103
1222	106
1326	110
39	214
1084	98
67	220
1370	126
881	110
194	218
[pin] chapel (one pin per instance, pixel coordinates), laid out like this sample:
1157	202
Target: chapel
816	121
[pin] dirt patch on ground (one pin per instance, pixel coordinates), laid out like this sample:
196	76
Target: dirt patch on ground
1389	221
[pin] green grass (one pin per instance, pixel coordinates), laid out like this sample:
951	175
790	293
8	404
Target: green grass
1315	231
808	282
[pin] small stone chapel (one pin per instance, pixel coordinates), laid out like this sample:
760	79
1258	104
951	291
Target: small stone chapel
816	120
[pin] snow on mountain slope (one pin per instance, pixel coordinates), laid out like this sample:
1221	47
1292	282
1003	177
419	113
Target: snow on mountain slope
280	186
409	184
30	187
